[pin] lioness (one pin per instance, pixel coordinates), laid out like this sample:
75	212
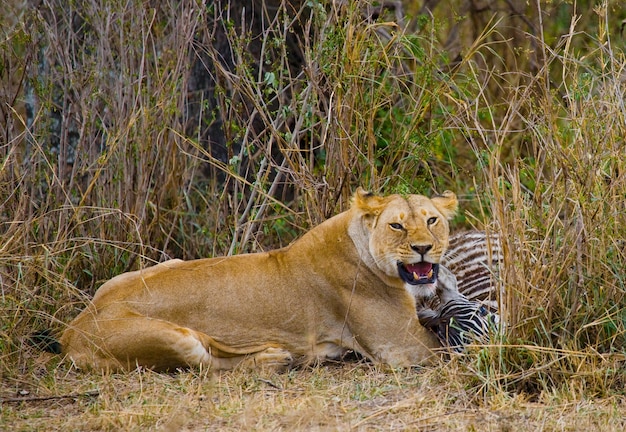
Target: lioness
347	284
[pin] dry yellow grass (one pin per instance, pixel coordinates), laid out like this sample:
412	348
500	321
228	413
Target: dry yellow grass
351	396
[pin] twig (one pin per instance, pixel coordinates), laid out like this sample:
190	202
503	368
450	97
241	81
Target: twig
269	383
91	393
446	414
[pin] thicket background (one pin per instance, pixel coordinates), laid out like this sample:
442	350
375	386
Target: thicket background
132	132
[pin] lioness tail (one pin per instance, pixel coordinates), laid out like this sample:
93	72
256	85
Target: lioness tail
45	341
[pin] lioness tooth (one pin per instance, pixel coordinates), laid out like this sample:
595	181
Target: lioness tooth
430	273
415	276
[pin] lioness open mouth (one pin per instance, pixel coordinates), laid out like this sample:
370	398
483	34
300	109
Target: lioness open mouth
418	273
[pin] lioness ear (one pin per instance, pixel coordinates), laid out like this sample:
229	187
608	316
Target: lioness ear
446	203
367	202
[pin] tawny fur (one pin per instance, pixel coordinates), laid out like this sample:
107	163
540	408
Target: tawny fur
336	288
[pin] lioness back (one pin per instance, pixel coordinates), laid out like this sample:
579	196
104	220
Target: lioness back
348	284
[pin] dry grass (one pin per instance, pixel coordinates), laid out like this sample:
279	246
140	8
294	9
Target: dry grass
340	397
127	159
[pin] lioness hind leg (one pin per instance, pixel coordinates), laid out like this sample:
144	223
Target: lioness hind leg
125	343
135	340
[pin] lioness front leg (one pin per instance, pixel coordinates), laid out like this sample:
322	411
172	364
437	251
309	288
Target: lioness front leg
126	343
413	349
399	340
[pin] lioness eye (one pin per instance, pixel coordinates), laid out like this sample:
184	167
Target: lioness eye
396	226
431	220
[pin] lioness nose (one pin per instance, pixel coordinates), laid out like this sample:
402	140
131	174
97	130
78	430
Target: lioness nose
421	249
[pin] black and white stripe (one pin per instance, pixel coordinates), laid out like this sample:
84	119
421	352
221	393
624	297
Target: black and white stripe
466	303
459	322
475	257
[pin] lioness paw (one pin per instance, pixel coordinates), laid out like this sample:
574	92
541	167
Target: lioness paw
273	358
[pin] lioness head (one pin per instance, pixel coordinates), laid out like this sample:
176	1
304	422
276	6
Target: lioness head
406	235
